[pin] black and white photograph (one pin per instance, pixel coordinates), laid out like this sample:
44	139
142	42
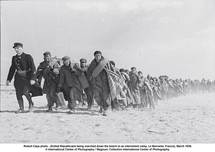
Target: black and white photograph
124	72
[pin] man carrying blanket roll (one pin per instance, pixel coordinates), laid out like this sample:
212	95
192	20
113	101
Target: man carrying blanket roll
99	80
106	81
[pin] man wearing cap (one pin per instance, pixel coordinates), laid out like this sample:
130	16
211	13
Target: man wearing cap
99	81
51	75
69	83
24	69
46	70
41	68
85	82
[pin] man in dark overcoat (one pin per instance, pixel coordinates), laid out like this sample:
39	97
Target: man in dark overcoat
85	82
99	81
69	83
24	69
45	70
41	69
51	76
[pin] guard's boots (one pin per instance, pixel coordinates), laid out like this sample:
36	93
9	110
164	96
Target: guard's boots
30	102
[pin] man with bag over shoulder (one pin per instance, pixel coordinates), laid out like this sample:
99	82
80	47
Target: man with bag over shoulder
24	69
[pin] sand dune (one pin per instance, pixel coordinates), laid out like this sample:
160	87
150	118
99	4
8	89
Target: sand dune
186	119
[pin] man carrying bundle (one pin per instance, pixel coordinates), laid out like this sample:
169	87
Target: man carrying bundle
51	75
129	96
99	81
148	93
134	86
45	70
142	89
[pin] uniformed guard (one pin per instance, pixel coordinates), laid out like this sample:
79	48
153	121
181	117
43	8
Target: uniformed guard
24	69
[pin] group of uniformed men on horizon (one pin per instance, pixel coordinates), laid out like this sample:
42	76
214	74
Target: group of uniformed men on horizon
99	83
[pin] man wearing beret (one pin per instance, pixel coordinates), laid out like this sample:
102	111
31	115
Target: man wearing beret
24	69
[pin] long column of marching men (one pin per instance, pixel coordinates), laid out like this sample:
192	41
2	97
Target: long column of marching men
99	82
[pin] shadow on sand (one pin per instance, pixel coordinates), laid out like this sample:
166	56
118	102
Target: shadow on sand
78	111
12	111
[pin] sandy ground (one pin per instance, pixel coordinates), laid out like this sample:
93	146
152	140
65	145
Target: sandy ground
186	119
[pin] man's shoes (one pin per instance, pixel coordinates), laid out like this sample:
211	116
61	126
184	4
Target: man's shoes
89	107
104	114
70	106
20	111
30	108
100	110
49	110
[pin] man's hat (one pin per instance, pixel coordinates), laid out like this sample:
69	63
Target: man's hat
16	44
97	52
133	68
113	63
82	60
65	58
47	53
121	70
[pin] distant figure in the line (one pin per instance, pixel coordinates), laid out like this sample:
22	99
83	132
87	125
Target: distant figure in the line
23	67
134	86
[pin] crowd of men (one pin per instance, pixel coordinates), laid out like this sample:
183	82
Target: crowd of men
99	82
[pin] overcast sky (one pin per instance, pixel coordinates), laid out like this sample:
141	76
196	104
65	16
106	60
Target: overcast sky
173	37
